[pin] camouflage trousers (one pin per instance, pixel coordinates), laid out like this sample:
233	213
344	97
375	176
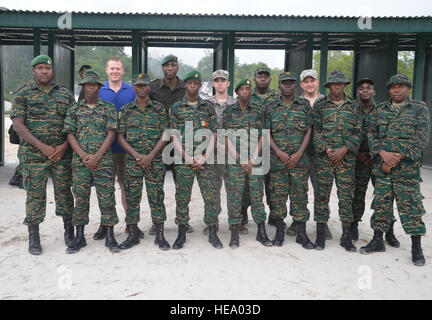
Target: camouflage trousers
184	179
103	180
402	184
344	177
237	180
246	199
313	179
35	177
292	183
362	176
154	182
220	174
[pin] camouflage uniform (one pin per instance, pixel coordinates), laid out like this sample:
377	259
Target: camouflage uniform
405	130
261	102
253	118
90	126
362	172
203	116
288	126
44	115
335	126
143	127
220	169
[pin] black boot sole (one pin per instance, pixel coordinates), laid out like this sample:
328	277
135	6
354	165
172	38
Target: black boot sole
71	250
35	252
393	244
129	245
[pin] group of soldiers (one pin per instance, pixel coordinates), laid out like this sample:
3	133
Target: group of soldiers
115	129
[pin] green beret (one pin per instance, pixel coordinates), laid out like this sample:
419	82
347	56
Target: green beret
336	77
141	78
262	69
90	76
242	82
288	75
42	59
399	79
169	58
195	75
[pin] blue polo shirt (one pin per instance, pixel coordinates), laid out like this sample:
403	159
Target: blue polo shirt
120	98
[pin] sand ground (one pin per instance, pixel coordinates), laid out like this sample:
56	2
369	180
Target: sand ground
198	271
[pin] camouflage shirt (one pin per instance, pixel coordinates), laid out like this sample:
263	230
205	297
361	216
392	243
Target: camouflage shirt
364	145
402	129
271	98
143	127
90	125
252	118
220	108
288	126
43	114
202	116
336	126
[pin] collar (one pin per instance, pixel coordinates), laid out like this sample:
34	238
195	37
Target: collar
106	85
178	85
36	85
149	103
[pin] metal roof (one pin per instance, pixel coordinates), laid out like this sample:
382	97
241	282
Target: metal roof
285	32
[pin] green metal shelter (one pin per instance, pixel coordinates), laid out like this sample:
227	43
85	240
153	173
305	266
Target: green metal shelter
375	42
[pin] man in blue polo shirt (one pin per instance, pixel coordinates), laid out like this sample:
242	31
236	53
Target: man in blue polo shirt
120	93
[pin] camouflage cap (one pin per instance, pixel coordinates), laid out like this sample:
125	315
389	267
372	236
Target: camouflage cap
336	76
41	59
90	76
288	75
365	80
400	79
169	58
242	82
262	69
308	73
195	75
141	78
221	74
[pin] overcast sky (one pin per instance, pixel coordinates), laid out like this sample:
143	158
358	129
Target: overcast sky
259	7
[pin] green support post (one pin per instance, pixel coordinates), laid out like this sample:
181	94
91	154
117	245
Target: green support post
323	63
230	51
36	42
287	57
2	124
72	66
136	52
51	40
419	68
309	53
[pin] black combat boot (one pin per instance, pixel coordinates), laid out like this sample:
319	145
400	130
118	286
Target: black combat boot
213	238
320	236
110	240
302	237
346	239
328	234
262	235
416	251
181	237
280	234
292	230
160	238
79	241
132	239
234	242
375	245
391	238
69	235
354	230
140	233
100	233
34	239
